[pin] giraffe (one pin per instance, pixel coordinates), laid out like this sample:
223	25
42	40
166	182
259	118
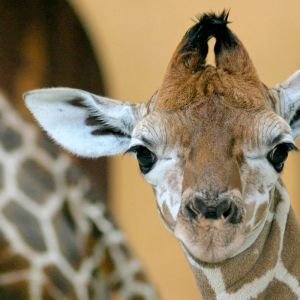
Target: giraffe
212	142
57	238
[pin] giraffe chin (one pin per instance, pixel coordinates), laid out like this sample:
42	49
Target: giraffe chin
209	241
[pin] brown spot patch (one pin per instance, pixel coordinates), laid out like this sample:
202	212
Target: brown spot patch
13	262
276	198
107	264
94	195
95	233
59	281
1	176
46	144
117	285
68	215
27	225
17	291
35	180
277	290
74	174
3	242
260	213
140	276
69	243
137	297
291	245
10	138
125	251
47	294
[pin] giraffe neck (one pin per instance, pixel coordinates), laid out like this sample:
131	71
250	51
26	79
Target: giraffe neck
57	239
266	269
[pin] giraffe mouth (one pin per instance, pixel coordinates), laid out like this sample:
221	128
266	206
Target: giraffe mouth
209	240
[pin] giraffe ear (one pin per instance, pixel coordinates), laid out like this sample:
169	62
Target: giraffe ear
288	105
83	123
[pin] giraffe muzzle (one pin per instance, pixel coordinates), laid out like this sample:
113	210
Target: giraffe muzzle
223	209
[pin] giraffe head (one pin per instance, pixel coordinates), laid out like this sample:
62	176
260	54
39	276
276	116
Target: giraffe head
212	140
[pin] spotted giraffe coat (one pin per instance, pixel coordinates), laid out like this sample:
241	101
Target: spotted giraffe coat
57	238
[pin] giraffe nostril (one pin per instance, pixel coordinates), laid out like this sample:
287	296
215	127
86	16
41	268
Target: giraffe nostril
225	208
227	212
235	215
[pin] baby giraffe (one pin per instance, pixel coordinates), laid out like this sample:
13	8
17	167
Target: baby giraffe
212	142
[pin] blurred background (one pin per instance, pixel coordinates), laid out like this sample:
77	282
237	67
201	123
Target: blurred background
131	43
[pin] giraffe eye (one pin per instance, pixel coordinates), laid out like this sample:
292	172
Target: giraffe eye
145	157
279	154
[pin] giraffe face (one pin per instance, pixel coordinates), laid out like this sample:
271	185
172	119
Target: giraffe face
211	142
209	165
212	163
214	147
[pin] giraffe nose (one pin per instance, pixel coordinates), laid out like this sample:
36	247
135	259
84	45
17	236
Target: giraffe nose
225	208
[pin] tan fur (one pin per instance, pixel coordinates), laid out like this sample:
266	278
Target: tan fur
260	212
291	246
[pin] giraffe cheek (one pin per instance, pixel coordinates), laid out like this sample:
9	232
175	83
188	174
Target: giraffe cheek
250	207
168	203
260	213
164	211
167	217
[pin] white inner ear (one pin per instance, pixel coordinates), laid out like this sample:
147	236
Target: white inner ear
66	122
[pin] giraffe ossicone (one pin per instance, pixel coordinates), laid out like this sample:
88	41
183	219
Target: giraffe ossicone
212	142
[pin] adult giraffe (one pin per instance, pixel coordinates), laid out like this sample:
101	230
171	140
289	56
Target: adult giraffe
212	142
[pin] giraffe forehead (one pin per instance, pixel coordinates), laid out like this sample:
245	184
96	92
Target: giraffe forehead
211	83
214	121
